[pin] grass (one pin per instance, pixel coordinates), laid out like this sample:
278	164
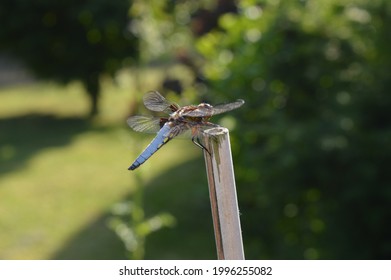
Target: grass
61	174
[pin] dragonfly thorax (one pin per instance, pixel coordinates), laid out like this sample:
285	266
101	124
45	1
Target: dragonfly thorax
191	113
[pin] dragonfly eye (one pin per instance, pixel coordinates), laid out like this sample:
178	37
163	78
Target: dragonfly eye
205	105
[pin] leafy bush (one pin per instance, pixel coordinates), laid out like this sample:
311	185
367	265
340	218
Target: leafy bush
312	150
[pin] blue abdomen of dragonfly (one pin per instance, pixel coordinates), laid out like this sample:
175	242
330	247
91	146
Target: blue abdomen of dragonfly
160	139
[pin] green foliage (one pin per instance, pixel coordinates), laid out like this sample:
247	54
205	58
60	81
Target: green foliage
312	155
131	226
69	40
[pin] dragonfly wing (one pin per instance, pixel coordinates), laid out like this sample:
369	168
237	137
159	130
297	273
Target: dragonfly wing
184	131
147	124
199	111
154	101
179	130
222	108
206	111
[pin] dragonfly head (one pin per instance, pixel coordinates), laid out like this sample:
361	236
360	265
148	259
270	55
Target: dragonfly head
205	105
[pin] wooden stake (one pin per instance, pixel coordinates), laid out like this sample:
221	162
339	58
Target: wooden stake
222	192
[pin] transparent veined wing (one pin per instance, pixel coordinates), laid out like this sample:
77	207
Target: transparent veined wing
222	108
184	131
205	111
180	130
147	124
154	101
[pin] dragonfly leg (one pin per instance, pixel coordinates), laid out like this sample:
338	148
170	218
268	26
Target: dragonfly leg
198	143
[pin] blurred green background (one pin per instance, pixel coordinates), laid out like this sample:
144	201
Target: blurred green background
311	146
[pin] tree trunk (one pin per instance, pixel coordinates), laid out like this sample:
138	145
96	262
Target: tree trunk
93	90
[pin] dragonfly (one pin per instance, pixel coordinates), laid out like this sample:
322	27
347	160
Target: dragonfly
180	120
